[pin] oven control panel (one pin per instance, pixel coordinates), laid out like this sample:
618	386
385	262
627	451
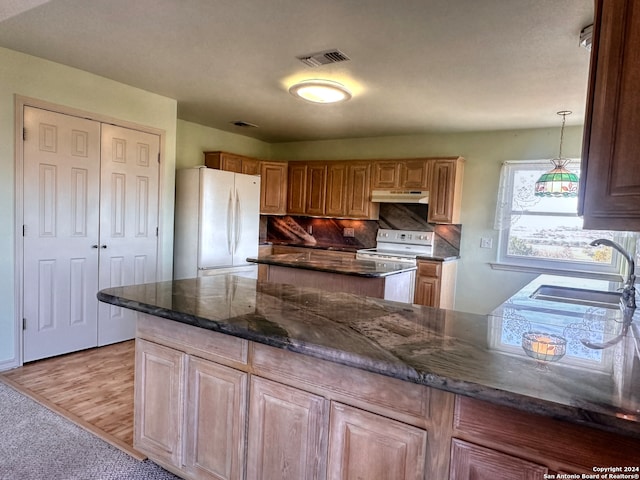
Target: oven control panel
404	237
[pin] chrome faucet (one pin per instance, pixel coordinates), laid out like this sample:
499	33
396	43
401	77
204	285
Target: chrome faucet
629	290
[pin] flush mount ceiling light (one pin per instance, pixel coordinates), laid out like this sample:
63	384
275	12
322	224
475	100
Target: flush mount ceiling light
320	91
558	182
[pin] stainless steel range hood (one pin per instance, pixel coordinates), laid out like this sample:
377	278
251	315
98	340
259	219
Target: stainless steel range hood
400	196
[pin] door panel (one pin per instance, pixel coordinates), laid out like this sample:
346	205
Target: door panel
216	219
61	196
247	218
128	221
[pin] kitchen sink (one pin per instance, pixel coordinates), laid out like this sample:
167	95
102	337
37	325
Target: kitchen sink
579	296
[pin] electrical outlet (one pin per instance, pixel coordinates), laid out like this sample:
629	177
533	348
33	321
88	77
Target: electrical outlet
486	242
348	232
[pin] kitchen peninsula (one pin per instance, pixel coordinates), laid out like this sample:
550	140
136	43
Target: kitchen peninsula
380	279
307	383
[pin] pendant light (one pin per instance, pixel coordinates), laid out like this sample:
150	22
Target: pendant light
558	182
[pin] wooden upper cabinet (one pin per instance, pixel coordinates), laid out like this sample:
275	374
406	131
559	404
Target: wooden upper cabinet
358	192
232	162
405	174
297	188
386	174
273	188
445	191
414	174
336	196
332	189
316	188
609	197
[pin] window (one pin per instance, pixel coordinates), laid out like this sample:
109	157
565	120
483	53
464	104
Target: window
545	233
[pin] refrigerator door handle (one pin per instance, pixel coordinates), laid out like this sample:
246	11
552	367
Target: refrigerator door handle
238	223
230	223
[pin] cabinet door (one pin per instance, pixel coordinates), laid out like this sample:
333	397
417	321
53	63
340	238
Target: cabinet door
316	188
230	162
427	291
358	193
471	462
414	174
364	445
215	421
223	161
386	174
159	383
443	191
336	189
250	166
610	178
273	188
297	188
287	433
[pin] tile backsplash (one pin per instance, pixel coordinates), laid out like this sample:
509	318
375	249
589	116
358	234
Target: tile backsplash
355	234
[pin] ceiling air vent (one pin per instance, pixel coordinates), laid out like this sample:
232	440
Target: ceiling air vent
323	58
240	123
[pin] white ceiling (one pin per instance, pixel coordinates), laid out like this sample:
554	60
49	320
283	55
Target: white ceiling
416	65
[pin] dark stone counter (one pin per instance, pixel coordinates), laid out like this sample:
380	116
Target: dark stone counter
474	355
326	263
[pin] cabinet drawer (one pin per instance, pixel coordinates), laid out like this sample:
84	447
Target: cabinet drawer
429	269
214	346
553	442
407	402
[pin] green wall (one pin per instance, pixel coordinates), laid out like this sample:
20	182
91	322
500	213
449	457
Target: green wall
193	139
479	288
32	77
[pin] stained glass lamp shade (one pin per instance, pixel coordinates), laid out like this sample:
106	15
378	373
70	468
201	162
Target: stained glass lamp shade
557	182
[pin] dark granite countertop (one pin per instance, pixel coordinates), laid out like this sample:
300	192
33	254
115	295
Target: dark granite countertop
314	260
468	354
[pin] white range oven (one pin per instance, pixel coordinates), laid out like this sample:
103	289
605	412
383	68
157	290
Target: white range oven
398	246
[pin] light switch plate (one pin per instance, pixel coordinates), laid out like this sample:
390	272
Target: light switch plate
486	242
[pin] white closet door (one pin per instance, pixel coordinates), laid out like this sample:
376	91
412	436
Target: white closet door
61	195
128	221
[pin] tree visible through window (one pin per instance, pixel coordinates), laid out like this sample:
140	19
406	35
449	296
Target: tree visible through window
546	232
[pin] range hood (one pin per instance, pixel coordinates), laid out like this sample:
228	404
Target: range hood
400	196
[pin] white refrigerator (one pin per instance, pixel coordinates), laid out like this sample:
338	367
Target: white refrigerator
217	221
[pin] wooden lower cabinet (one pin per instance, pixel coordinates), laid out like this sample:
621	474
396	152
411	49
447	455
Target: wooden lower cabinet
278	415
159	382
215	419
171	386
472	462
363	445
287	432
497	442
435	284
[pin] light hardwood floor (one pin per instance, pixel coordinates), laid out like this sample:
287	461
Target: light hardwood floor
92	388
